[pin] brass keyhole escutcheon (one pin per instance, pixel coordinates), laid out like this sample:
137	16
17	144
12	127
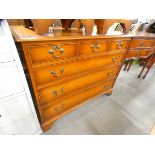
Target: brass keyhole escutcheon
120	44
95	46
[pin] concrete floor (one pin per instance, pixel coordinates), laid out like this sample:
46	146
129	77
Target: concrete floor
130	110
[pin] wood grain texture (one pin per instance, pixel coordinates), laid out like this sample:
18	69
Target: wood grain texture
57	91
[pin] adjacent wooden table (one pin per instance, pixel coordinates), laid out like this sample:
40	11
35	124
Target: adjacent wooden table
68	68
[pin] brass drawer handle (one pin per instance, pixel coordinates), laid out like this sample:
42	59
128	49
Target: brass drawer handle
98	46
120	44
56	48
114	59
59	93
60	108
95	46
52	52
62	50
92	46
55	73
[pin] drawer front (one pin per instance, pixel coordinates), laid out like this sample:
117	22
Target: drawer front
10	81
132	54
61	106
92	47
54	92
51	52
50	74
118	44
141	43
23	126
144	53
5	51
13	109
138	53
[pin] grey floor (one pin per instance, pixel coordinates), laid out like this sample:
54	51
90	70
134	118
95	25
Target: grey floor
130	110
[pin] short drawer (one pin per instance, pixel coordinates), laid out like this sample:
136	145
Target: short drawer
51	52
142	43
118	44
93	47
13	108
55	72
138	53
54	92
63	105
10	81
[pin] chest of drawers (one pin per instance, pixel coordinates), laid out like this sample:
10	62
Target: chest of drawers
66	71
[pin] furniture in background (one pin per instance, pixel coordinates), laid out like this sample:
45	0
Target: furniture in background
17	112
41	26
140	48
148	63
135	28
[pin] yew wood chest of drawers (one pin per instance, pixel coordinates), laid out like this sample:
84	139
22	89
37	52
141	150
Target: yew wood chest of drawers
66	71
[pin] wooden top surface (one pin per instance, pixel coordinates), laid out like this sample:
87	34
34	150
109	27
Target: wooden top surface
22	34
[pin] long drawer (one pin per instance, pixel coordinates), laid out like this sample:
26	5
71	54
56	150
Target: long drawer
10	81
54	92
54	72
51	51
70	102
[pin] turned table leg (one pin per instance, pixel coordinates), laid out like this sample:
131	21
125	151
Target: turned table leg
126	64
141	71
149	67
129	64
145	65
